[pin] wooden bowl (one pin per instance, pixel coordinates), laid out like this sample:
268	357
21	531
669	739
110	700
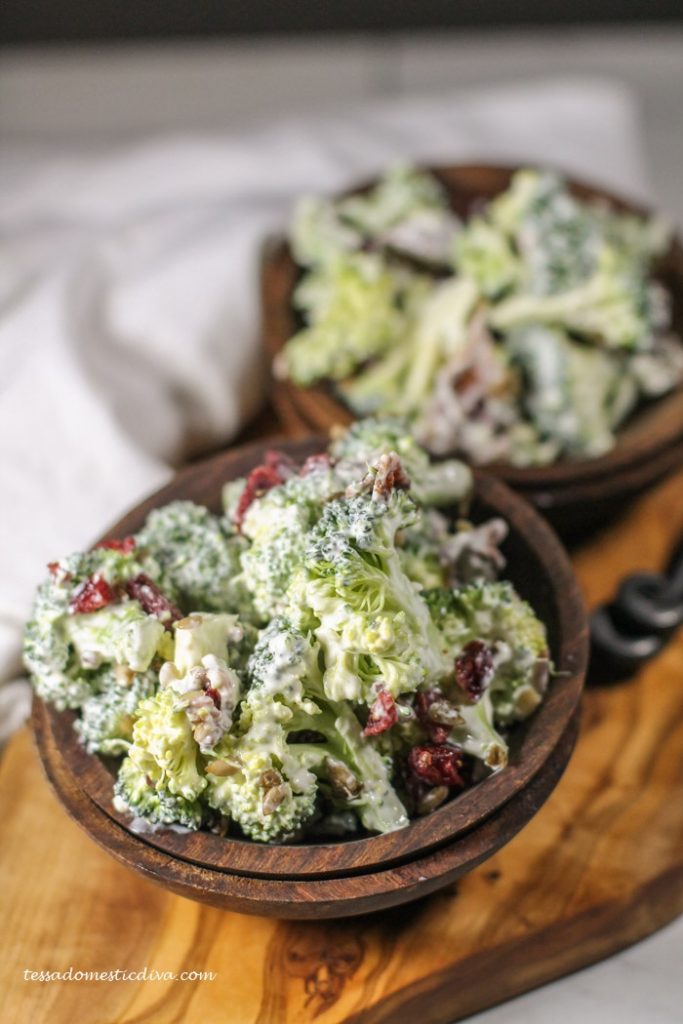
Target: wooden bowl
231	872
574	494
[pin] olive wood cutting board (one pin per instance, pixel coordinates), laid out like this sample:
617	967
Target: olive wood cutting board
598	868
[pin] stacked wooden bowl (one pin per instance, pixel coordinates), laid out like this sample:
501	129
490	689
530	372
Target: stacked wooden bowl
575	495
338	879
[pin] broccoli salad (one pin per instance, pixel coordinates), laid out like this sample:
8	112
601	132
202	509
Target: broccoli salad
335	653
527	333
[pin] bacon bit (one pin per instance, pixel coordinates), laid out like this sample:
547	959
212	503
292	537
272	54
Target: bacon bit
315	462
466	380
277	468
53	568
214	695
142	589
390	476
92	595
474	668
125	545
437	732
383	715
438	764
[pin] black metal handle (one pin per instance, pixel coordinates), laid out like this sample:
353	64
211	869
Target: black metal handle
633	628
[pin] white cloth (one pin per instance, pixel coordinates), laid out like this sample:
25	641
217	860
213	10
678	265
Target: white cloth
128	291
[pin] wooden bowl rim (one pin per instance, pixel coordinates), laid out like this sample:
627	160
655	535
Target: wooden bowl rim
541	735
299	899
653	425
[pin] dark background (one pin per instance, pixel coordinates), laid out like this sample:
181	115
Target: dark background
57	21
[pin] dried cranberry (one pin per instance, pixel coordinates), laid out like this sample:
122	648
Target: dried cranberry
383	715
125	545
275	470
142	589
314	462
437	732
92	595
438	764
474	668
285	466
215	696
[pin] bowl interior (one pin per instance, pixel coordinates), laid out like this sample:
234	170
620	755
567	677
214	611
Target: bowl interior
651	427
538	567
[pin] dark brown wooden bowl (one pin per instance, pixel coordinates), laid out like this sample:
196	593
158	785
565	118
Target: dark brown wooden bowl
575	494
294	898
538	567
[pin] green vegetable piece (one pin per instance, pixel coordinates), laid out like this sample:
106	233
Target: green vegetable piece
204	633
161	778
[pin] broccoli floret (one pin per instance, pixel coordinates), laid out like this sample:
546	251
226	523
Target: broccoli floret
297	747
407	215
121	633
613	307
204	633
360	445
574	393
477	735
441	335
644	239
58	673
276	524
257	796
557	236
371	622
240	649
353	306
420	560
406	212
401	194
55	674
163	745
486	610
285	667
231	494
438	331
495	614
201	674
199	558
107	717
135	793
255	780
545	257
379	387
485	254
161	778
319	234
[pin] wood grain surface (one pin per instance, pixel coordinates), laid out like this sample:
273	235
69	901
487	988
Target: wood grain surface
598	868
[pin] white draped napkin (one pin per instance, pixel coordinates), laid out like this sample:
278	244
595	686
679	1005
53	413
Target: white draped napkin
128	292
